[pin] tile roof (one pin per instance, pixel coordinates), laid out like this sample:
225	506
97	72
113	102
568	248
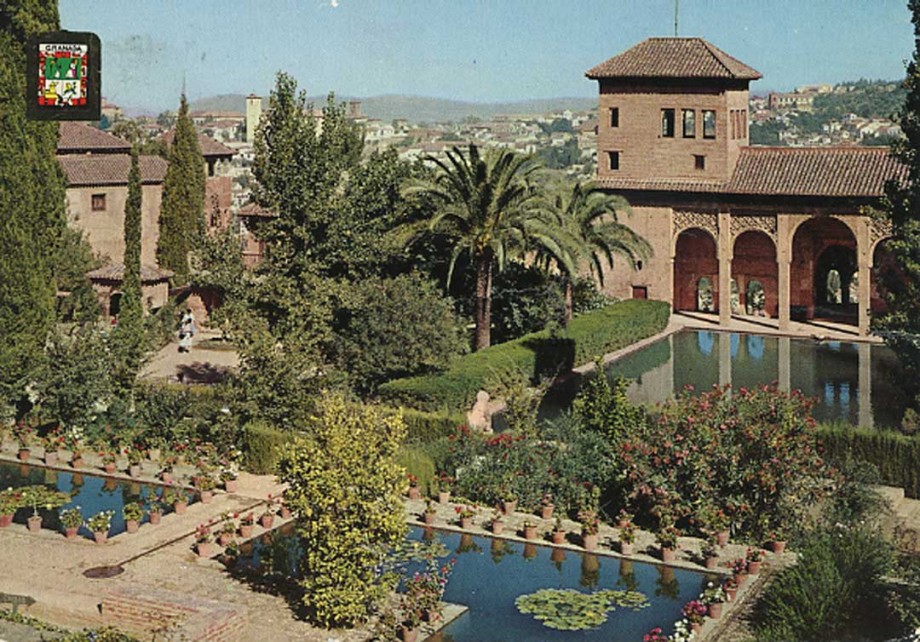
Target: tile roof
815	171
660	185
209	146
75	137
149	273
109	169
674	58
254	209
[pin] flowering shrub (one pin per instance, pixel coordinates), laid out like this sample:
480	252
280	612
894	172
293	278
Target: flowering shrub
695	611
425	589
655	635
749	457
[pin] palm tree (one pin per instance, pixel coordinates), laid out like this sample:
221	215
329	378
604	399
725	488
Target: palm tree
488	204
592	235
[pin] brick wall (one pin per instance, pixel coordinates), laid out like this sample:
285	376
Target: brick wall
172	616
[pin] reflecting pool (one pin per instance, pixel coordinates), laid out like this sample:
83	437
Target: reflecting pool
853	382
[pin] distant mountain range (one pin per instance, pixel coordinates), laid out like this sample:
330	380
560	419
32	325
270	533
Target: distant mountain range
418	109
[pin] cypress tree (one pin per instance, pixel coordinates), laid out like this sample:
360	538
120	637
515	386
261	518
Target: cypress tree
900	326
182	209
31	210
129	334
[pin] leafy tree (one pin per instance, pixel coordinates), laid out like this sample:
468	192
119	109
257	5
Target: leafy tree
345	488
31	210
593	236
182	209
128	335
900	325
488	205
391	328
74	259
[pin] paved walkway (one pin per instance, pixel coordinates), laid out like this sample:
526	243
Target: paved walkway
200	365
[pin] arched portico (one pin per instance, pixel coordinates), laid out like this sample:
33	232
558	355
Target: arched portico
824	263
696	269
754	269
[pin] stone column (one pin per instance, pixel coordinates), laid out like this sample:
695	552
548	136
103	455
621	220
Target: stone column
865	381
864	272
725	268
784	367
783	276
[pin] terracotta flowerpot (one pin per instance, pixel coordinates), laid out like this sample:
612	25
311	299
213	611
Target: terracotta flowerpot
668	554
155	517
778	546
589	542
509	506
180	508
101	537
51	458
267	520
414	492
428	518
6	520
498	526
224	538
134	470
627	548
132	525
711	563
245	531
70	532
76	462
109	468
231	485
546	512
530	532
206	496
285	512
466	522
203	549
715	610
23	454
35	523
731	593
722	538
407	635
753	568
558	537
740	579
443	496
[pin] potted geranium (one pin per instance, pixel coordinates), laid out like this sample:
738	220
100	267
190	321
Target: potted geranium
695	613
497	523
167	464
133	513
22	433
226	530
71	520
623	518
108	461
465	515
754	560
247	522
444	485
666	537
52	442
203	540
205	484
590	525
135	459
739	571
99	524
429	513
558	532
730	586
530	529
547	506
710	553
268	515
713	597
10	502
777	542
509	502
154	511
228	478
177	499
413	492
627	538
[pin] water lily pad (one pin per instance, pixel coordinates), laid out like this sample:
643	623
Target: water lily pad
570	610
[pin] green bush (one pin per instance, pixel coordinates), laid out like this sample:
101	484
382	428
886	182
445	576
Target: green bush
424	427
262	447
417	462
539	354
895	455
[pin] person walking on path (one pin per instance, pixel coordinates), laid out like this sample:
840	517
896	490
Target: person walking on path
187	330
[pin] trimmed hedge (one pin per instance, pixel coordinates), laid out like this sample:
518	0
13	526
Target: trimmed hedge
419	463
539	354
896	456
424	427
261	446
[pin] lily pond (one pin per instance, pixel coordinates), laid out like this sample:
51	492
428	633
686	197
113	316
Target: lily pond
91	493
851	382
491	575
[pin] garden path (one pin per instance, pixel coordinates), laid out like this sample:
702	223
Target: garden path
200	365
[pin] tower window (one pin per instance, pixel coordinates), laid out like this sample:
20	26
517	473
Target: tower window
689	116
709	123
667	123
98	202
614	116
699	161
613	160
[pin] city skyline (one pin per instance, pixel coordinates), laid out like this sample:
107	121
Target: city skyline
476	51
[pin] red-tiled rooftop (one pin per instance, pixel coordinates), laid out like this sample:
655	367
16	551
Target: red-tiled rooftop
109	169
674	58
254	209
815	171
209	146
77	138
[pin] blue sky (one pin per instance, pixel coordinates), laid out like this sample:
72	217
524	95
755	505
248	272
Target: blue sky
477	50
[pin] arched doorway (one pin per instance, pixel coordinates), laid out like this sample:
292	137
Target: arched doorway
695	259
754	264
822	269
